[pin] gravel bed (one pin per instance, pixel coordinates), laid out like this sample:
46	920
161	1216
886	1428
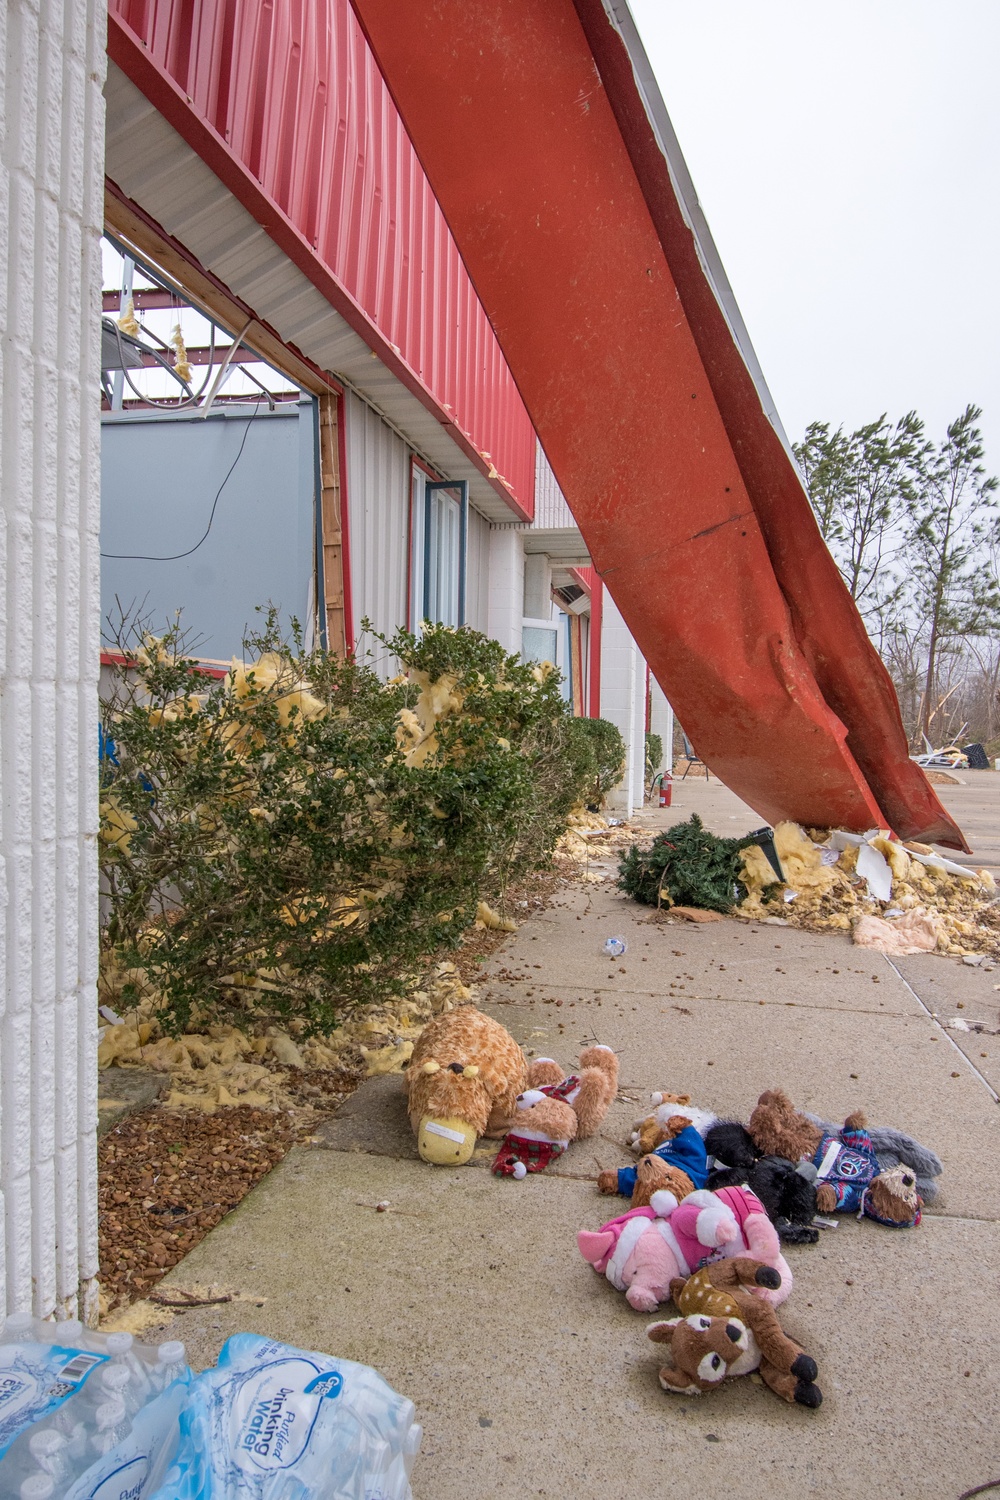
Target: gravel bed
166	1177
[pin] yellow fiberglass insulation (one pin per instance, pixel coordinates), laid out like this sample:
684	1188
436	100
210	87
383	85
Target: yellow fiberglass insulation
416	728
224	1065
823	893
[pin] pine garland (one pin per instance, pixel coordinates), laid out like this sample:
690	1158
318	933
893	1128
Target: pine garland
686	866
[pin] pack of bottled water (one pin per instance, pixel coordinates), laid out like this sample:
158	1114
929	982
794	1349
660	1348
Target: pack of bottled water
276	1423
88	1416
85	1416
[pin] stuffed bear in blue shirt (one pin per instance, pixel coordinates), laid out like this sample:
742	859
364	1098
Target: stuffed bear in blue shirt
686	1152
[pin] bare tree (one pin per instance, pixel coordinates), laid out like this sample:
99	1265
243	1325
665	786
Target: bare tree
954	521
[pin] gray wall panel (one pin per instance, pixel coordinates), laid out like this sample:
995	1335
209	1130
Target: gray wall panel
159	478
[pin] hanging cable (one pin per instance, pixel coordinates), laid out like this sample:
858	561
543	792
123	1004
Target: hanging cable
176	556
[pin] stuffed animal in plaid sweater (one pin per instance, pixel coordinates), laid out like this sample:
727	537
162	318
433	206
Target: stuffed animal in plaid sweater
555	1110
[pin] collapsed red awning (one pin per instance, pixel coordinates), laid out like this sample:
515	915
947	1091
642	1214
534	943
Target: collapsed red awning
541	140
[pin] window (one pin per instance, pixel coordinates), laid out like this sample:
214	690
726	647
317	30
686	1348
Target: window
439	547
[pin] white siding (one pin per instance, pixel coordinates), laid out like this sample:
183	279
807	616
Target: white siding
623	701
551	510
51	200
661	722
506	587
477	592
378	506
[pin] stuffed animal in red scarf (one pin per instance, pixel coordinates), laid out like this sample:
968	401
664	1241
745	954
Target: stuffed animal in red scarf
555	1110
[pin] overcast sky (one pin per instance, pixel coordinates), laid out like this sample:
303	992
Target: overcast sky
846	157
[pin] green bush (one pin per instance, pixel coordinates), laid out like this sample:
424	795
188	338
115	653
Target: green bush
289	842
686	866
597	753
654	759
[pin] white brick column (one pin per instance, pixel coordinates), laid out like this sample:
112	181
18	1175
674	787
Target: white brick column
661	722
51	211
505	608
623	675
638	763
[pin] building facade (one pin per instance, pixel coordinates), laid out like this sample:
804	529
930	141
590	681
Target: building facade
254	159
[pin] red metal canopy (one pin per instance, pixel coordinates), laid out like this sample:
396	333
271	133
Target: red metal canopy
550	154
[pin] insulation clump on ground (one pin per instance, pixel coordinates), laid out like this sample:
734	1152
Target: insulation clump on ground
224	1065
833	881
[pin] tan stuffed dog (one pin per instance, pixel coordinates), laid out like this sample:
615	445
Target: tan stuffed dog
462	1082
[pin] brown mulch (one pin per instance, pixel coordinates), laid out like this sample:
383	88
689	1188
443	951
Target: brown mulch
166	1177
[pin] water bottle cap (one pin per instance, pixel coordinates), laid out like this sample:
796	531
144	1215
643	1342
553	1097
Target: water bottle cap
170	1353
69	1328
110	1413
119	1343
37	1487
114	1378
45	1443
18	1323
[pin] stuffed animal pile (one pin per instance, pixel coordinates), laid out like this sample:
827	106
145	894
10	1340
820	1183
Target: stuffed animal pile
713	1200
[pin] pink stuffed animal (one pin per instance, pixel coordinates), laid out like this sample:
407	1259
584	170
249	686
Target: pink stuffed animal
643	1250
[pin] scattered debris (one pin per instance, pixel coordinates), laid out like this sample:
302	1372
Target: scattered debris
487	917
914	932
177	1296
844	881
695	914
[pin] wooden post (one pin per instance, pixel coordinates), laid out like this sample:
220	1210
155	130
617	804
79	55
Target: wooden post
330	523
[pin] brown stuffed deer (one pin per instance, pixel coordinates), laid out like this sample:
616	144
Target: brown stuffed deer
727	1330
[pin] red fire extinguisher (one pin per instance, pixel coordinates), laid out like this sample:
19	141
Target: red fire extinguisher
666	788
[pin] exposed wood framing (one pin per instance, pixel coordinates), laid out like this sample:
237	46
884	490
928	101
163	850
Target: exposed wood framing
129	224
133	228
331	529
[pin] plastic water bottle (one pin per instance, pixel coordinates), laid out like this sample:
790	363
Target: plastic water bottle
50	1450
112	1424
171	1362
19	1328
128	1374
614	947
37	1487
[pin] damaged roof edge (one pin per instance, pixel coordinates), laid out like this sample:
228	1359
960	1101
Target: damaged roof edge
621	19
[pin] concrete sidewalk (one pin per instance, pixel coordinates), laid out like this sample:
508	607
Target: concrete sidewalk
531	1375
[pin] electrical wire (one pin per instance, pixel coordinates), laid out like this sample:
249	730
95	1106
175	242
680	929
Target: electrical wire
176	556
182	402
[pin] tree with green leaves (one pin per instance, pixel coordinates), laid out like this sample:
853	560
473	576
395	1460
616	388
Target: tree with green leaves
914	527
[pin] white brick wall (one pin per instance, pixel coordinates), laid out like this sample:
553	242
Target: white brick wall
623	701
505	606
51	200
661	722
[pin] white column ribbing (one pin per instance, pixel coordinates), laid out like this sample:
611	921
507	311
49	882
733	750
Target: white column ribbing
52	60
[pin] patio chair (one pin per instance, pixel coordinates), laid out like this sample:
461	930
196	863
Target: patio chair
692	759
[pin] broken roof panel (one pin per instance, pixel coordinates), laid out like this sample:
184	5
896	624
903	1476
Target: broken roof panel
549	149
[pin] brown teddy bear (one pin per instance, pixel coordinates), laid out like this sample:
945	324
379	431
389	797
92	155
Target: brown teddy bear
555	1110
651	1171
727	1329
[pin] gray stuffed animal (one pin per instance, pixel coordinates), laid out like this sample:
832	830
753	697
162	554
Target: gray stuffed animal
894	1149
